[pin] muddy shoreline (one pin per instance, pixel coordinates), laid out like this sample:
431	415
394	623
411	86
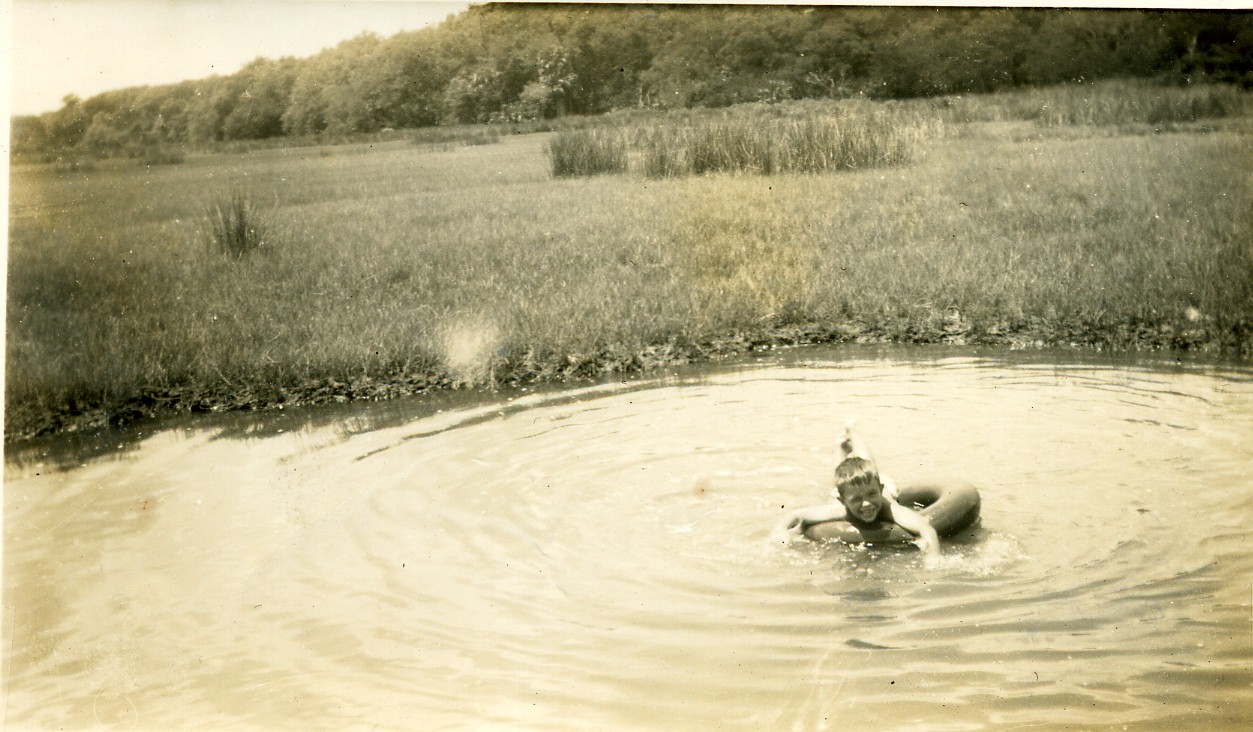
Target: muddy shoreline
27	425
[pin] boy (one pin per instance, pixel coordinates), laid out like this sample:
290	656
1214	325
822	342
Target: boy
864	497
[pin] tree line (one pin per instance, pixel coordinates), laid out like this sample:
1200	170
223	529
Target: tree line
512	62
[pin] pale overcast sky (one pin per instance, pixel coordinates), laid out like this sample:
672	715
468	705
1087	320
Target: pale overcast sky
85	47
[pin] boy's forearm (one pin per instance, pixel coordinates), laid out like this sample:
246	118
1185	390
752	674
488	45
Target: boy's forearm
803	518
918	525
825	512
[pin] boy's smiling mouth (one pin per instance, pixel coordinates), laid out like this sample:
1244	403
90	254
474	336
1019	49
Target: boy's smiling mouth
867	512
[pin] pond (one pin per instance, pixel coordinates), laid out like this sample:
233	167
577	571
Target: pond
599	557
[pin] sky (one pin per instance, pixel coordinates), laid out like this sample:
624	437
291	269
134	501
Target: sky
85	47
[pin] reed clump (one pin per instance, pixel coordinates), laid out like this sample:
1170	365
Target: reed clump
236	225
759	139
1138	103
587	152
1105	103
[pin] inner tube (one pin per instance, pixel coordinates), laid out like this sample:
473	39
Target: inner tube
950	510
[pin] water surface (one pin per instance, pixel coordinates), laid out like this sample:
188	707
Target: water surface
599	557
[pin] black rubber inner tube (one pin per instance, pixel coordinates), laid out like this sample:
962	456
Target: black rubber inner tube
951	510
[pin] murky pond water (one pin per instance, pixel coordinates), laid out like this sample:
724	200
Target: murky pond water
599	558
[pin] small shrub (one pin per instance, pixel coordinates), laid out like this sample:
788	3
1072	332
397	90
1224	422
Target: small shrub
237	227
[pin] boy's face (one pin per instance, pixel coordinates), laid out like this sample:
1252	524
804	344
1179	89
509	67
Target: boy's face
863	500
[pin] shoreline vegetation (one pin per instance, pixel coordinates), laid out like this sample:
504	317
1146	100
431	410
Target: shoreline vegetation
1114	216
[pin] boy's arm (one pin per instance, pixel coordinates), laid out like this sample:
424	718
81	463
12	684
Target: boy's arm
795	522
918	525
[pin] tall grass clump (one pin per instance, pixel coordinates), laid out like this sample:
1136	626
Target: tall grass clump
587	152
814	141
730	145
236	225
661	152
1126	102
1105	103
852	142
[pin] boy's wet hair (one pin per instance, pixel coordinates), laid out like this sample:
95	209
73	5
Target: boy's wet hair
856	471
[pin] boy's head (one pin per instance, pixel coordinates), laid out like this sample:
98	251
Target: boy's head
860	490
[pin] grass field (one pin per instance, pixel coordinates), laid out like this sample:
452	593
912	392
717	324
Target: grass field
390	268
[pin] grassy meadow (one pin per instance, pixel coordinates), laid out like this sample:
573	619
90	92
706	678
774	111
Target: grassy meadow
387	268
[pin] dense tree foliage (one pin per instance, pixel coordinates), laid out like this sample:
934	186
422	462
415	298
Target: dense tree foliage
523	61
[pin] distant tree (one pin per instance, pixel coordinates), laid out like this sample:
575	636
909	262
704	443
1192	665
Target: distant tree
166	111
833	57
1207	46
66	126
608	50
473	95
29	135
685	70
497	51
401	82
263	91
548	94
1071	45
760	53
322	97
102	138
207	110
994	43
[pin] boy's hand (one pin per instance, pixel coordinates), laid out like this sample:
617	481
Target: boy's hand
927	545
792	527
929	542
918	525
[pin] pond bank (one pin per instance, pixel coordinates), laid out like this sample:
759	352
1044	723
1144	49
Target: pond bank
951	329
